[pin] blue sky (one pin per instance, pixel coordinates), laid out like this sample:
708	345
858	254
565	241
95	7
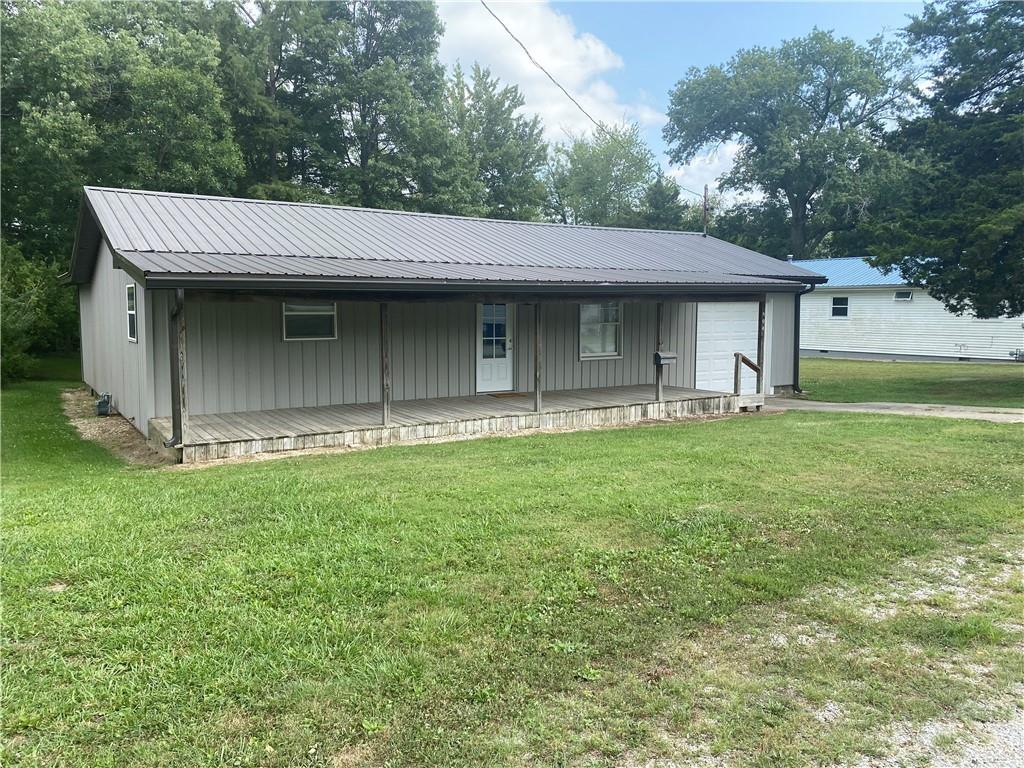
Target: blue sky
622	58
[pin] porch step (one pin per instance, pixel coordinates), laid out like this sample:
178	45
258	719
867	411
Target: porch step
746	402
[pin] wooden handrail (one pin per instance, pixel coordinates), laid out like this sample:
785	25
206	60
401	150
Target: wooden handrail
737	382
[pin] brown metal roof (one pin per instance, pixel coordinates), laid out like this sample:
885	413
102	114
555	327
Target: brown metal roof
173	239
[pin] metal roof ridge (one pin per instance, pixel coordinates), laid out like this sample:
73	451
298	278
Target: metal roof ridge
392	211
833	258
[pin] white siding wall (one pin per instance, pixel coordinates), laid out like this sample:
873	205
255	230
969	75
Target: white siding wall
110	362
879	325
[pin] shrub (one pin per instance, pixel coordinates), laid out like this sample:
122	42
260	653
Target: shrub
37	312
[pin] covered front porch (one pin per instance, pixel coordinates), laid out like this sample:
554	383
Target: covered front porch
242	433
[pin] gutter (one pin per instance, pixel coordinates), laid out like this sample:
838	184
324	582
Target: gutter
796	338
422	285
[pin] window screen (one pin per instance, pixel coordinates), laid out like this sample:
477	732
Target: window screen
840	306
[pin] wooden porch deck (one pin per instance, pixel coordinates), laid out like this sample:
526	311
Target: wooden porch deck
225	435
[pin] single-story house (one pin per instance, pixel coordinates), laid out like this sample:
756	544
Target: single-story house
223	327
863	312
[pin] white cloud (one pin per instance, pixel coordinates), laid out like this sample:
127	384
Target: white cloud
576	59
706	168
579	60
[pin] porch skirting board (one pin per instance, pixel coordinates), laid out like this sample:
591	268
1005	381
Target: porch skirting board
461	428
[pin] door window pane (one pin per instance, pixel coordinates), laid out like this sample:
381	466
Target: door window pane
494	331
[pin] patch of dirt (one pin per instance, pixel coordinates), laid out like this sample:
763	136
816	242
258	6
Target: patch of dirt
986	733
56	586
349	757
829	713
954	744
958	583
115	433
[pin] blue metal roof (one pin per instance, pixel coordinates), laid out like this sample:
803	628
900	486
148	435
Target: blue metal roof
849	272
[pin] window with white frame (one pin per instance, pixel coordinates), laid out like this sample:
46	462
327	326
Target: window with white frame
903	296
840	306
600	330
132	312
309	320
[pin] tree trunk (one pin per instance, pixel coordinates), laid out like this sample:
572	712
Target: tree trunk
797	228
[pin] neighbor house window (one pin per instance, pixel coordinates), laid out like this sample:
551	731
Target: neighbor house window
840	306
133	314
903	296
601	330
309	321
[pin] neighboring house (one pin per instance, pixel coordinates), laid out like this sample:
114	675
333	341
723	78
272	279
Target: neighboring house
862	312
224	326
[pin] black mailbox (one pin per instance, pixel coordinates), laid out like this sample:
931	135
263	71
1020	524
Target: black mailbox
664	358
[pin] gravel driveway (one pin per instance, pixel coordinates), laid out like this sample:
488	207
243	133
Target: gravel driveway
979	413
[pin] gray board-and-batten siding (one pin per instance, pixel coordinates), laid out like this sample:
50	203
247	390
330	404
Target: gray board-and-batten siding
237	359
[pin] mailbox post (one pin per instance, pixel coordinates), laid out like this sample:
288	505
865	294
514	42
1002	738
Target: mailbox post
661	359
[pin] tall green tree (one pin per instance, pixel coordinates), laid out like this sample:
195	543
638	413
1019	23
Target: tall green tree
339	101
957	223
106	93
662	208
600	179
810	117
761	226
507	147
388	90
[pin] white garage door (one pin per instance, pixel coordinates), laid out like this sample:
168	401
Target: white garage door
724	328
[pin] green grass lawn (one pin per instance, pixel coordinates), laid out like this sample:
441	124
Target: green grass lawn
870	381
567	599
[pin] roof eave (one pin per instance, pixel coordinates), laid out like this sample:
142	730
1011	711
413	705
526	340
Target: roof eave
88	236
368	285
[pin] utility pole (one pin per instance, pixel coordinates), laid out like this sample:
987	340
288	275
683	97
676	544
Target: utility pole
705	210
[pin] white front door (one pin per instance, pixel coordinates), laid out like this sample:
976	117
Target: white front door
494	347
723	329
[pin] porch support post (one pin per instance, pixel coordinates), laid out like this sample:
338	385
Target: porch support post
537	357
179	378
385	365
659	388
760	343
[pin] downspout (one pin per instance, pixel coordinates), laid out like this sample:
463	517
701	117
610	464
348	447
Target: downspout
172	336
796	338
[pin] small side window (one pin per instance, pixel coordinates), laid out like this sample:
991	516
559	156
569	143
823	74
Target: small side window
840	306
309	321
133	315
903	296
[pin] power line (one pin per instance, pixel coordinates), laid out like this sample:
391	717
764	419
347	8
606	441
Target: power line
600	126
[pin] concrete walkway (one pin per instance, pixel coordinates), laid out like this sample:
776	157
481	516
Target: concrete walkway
979	413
